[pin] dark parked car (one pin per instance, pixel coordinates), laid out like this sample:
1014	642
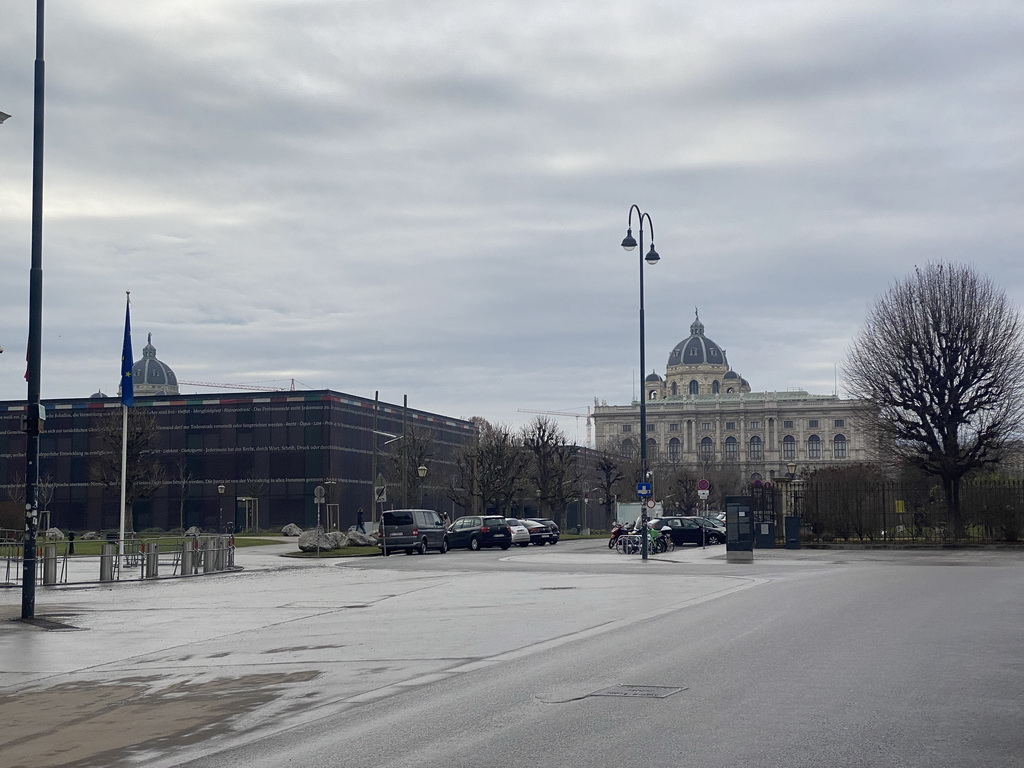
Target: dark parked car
412	530
690	530
550	524
476	532
541	533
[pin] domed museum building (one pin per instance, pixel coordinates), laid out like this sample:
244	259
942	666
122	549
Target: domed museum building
703	413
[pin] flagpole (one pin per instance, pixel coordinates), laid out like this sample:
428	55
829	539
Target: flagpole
127	398
124	476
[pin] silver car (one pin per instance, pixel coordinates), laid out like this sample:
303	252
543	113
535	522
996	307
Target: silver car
520	533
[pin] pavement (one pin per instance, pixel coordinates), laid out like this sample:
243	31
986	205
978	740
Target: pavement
153	672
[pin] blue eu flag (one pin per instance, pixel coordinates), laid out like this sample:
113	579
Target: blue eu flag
127	388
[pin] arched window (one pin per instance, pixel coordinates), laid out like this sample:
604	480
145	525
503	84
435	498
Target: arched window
652	395
628	450
813	447
839	447
694	387
789	447
715	387
675	388
756	449
675	449
731	449
652	448
707	449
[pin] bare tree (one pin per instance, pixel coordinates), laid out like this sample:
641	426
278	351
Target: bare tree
939	364
182	477
492	471
553	469
405	457
144	473
610	476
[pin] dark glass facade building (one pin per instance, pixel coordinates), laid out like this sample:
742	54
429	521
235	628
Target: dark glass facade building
268	450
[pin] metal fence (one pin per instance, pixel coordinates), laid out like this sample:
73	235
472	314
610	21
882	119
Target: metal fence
892	512
57	562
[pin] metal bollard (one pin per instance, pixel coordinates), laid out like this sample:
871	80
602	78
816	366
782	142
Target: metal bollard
152	561
209	556
49	564
221	549
107	561
186	558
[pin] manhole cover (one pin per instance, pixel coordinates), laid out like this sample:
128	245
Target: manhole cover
49	624
639	691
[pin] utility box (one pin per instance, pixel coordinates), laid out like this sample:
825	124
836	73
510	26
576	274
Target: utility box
793	532
764	535
739	529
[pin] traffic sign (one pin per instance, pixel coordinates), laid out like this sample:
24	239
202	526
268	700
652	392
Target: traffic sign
643	490
703	494
703	485
318	494
651	503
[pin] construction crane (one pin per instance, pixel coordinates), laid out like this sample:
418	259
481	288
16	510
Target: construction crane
576	416
236	386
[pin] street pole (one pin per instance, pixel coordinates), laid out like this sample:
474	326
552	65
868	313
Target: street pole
34	410
628	243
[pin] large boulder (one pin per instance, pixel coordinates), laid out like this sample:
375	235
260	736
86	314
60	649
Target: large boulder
291	530
54	534
360	539
193	531
316	540
89	536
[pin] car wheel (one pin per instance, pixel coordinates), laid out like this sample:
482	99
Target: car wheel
409	550
553	542
505	546
444	546
422	548
540	543
524	543
715	539
474	544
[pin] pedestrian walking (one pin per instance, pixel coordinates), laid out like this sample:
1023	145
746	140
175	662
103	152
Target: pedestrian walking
71	542
359	521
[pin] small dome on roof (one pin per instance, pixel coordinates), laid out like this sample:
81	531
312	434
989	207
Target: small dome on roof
98	395
731	375
654	377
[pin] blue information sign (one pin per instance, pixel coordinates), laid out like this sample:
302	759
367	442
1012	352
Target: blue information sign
643	490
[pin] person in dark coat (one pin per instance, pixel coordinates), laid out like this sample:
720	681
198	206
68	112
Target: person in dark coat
359	521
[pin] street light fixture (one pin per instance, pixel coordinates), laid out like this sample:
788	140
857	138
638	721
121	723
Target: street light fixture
652	257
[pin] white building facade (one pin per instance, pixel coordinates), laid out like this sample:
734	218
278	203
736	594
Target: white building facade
704	414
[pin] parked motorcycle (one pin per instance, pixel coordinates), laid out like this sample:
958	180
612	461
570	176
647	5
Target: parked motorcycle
617	530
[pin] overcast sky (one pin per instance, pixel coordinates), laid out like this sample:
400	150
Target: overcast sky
426	197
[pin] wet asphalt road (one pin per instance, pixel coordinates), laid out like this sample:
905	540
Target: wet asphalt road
493	659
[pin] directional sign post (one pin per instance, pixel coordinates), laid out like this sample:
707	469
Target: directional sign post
643	490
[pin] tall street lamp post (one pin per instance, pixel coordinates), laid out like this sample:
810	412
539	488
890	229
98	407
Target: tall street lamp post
652	257
34	413
220	512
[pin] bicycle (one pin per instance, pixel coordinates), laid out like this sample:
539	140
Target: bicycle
628	544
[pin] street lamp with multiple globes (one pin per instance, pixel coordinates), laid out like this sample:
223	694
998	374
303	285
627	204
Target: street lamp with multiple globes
652	257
